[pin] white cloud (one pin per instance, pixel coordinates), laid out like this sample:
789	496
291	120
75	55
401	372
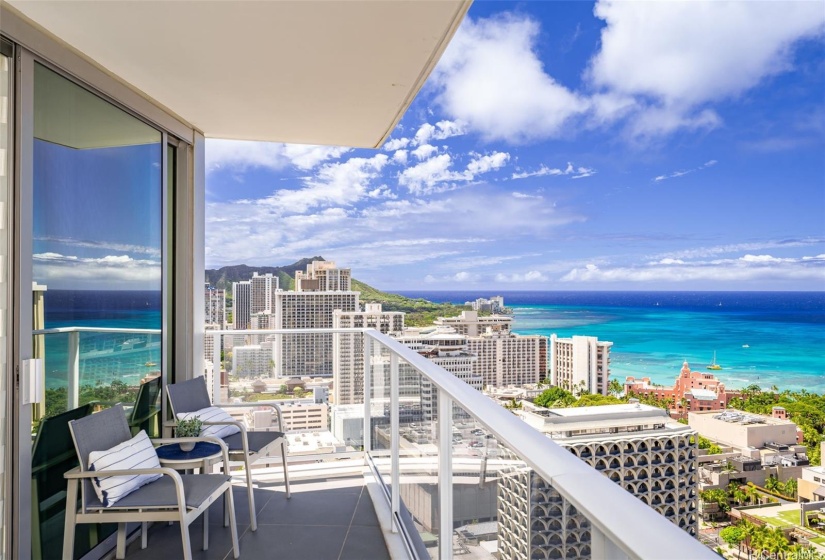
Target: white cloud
400	156
747	268
341	183
531	276
396	144
492	79
424	151
462	277
61	271
240	155
575	172
525	195
440	131
673	57
487	163
702	252
425	176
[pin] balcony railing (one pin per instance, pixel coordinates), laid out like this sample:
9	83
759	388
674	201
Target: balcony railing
460	472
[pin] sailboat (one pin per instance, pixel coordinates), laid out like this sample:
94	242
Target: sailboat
713	365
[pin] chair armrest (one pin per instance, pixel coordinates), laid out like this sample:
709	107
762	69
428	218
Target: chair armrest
274	406
75	473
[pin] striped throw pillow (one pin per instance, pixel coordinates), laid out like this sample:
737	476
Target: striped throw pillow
213	414
137	453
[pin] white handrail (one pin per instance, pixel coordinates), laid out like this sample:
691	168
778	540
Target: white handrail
631	527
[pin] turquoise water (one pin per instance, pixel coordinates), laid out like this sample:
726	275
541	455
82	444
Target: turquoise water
653	333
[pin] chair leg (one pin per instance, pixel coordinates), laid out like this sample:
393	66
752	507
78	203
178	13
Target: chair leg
286	472
206	529
229	503
120	553
253	519
144	535
184	537
70	521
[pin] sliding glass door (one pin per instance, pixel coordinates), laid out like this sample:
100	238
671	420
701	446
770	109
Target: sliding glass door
97	242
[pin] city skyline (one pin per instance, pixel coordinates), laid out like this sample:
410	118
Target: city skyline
566	146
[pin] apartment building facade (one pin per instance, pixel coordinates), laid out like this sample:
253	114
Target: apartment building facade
580	364
348	360
323	276
639	447
509	359
241	304
311	354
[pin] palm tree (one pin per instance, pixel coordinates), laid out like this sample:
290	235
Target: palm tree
772	483
790	488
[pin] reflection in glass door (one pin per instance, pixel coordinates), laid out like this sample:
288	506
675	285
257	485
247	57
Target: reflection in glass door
97	242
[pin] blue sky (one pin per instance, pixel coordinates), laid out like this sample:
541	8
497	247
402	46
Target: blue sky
566	145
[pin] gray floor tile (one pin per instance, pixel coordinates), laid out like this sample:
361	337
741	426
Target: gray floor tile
364	543
365	512
294	542
310	508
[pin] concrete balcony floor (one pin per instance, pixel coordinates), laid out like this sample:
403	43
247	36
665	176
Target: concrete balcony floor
330	519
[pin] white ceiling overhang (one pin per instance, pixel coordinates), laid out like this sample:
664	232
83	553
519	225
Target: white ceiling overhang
337	72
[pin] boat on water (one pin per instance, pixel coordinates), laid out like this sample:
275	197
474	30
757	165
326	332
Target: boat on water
746	346
150	364
713	365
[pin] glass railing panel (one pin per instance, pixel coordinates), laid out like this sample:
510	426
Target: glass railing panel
259	369
418	459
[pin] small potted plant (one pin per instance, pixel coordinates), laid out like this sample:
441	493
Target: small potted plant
188	428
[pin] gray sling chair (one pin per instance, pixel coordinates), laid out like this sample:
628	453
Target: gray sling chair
172	497
191	396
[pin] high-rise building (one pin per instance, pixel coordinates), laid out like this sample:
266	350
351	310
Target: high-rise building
348	364
580	364
509	359
471	324
241	304
445	347
637	446
215	306
323	276
308	354
262	290
253	361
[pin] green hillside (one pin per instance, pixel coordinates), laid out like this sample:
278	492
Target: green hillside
420	312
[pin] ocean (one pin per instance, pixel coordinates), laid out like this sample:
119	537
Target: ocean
104	357
763	338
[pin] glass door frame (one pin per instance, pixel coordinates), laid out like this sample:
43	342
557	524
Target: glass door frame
178	240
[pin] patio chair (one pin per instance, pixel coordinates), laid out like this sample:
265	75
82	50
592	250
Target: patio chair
165	495
190	398
145	413
52	455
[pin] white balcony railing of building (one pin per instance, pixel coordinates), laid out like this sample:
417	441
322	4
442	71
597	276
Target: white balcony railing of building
414	417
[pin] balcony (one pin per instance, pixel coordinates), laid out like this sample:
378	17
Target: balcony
414	457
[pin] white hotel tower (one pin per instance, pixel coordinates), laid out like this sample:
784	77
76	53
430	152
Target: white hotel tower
580	364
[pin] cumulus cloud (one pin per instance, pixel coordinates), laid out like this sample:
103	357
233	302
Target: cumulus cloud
440	131
491	78
400	156
240	155
462	277
341	183
424	151
703	252
483	164
674	57
396	144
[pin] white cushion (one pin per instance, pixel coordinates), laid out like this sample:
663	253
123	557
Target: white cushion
137	453
213	414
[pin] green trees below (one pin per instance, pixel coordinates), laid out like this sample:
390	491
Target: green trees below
419	312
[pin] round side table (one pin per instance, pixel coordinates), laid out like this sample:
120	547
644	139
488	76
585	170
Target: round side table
202	456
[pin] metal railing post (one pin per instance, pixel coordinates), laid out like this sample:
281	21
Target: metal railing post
395	440
367	437
445	475
217	339
73	371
